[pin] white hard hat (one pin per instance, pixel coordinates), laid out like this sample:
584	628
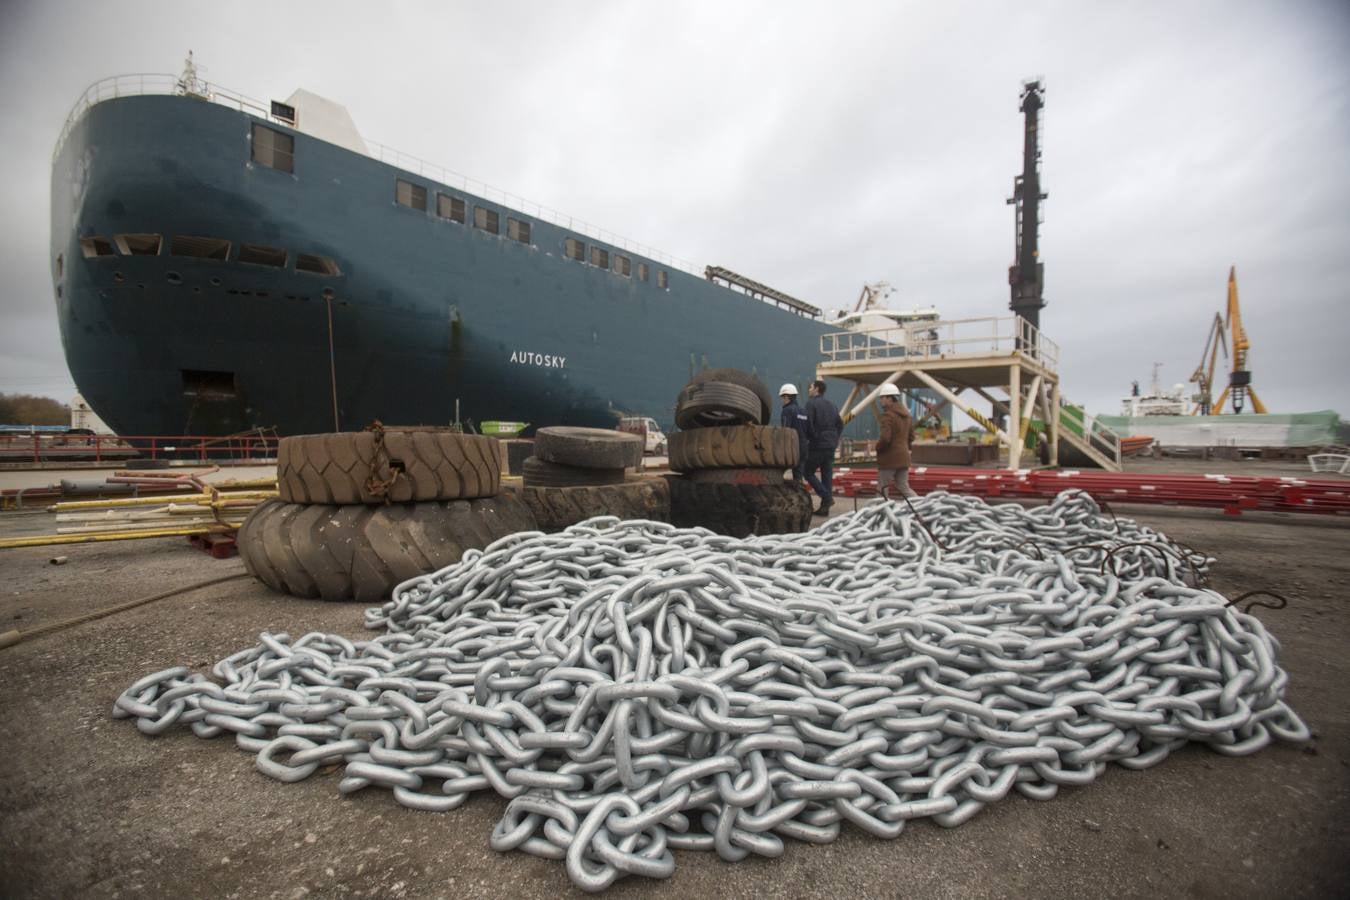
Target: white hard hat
889	390
789	389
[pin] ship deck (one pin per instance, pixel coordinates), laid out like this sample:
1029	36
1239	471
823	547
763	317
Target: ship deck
90	807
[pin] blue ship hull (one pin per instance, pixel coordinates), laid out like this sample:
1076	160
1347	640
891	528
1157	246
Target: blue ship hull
425	312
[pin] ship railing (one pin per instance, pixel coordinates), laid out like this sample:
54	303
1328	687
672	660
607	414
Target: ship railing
99	449
117	86
451	178
158	83
946	339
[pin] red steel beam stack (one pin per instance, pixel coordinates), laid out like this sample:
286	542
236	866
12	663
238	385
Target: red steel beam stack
1231	493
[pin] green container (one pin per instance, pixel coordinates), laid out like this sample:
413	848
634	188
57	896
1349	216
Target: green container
503	429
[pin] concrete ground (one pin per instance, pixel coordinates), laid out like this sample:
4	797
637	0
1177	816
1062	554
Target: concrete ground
90	807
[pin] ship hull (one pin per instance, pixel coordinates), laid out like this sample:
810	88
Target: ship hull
1254	431
428	318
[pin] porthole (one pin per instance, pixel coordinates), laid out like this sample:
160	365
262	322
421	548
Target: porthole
119	277
173	278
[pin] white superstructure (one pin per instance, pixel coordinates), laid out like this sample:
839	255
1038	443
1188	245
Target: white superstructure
81	416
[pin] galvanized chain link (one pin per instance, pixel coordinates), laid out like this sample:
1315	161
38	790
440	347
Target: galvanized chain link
632	687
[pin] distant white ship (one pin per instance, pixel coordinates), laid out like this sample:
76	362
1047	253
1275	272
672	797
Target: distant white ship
1162	415
1156	402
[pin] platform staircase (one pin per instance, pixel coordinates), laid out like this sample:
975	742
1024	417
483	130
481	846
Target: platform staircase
1085	434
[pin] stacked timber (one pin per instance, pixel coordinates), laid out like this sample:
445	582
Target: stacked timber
207	511
217	509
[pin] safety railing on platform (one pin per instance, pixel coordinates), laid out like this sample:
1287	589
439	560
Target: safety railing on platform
45	447
946	339
158	83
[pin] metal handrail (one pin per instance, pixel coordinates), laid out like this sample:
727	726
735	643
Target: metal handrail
132	85
39	446
1099	437
946	339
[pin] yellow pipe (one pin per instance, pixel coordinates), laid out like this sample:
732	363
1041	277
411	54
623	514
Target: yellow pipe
43	540
72	505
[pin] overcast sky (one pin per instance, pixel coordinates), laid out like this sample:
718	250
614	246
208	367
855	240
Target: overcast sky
813	147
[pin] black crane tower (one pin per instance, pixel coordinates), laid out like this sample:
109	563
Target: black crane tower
1027	273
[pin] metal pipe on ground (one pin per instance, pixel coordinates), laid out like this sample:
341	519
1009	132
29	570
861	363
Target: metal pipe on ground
45	540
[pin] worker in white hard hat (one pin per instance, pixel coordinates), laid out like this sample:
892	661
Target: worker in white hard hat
794	417
897	436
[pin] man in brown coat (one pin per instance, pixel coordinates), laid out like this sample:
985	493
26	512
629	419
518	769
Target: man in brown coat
897	436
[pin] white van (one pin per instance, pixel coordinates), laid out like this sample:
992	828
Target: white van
654	440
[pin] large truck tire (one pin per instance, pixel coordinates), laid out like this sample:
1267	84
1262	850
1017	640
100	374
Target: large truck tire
412	466
733	447
738	476
538	473
588	448
558	508
745	380
739	510
361	552
711	404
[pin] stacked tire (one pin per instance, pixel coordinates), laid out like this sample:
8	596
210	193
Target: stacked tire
360	512
732	463
579	473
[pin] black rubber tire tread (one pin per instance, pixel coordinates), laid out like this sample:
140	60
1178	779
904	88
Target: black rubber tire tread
744	379
711	404
538	473
756	475
558	508
437	465
734	447
588	448
739	510
361	552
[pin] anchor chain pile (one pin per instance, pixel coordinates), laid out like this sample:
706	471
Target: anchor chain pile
631	687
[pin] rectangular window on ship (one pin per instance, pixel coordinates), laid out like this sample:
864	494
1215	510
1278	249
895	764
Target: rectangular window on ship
662	279
485	219
96	246
622	265
200	247
274	149
138	244
319	265
643	271
517	230
575	249
258	255
413	196
452	208
600	257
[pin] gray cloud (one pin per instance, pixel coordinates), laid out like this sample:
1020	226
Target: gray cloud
813	148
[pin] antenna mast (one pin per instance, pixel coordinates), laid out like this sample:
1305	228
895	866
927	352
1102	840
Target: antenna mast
1027	273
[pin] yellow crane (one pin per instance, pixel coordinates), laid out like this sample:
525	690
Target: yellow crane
1203	376
1239	386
